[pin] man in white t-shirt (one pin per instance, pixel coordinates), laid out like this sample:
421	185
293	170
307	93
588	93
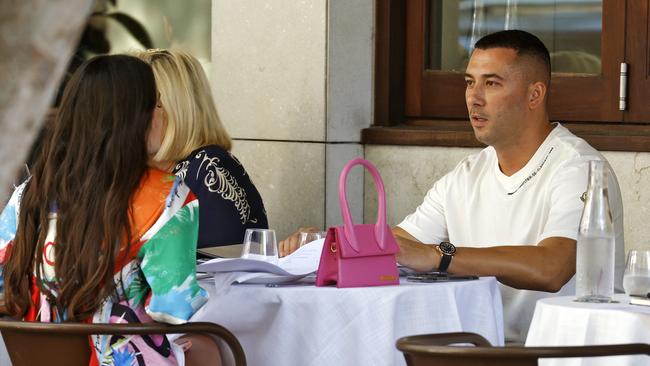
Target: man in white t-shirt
512	210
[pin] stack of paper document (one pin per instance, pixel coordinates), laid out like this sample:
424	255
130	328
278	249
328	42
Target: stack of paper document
295	266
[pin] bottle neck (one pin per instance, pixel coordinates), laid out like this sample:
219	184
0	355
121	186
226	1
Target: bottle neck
598	175
596	216
597	192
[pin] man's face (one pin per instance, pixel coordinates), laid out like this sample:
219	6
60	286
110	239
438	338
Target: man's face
496	95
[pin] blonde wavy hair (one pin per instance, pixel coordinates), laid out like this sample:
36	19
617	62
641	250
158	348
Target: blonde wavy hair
192	119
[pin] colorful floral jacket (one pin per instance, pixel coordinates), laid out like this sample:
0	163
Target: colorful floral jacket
158	279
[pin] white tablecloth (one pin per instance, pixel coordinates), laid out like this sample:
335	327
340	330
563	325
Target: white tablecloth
308	326
560	321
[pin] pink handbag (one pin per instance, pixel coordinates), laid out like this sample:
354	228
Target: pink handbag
363	254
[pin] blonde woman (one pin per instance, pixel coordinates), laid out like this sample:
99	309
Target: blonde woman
197	147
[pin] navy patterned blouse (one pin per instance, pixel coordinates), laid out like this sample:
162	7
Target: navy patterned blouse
229	203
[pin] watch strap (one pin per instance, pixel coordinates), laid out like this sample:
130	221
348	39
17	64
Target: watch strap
445	261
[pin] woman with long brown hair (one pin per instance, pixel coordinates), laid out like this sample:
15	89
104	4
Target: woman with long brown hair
94	234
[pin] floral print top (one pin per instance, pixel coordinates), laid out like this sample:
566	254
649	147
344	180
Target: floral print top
229	201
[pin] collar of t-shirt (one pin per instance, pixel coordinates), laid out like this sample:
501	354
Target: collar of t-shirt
534	166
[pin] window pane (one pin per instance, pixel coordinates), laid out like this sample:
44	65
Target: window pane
170	23
570	29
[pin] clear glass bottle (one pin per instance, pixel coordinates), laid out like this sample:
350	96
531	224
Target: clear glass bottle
595	251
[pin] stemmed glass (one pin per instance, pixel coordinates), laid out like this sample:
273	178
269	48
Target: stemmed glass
260	244
636	279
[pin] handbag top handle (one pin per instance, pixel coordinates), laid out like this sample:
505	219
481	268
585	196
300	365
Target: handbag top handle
380	226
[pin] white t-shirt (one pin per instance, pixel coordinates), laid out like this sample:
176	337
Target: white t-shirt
476	205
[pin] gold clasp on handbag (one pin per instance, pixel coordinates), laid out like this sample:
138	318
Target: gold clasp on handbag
333	247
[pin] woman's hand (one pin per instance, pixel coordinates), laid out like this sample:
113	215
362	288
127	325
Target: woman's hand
200	350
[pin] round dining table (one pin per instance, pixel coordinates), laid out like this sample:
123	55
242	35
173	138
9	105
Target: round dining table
301	324
561	321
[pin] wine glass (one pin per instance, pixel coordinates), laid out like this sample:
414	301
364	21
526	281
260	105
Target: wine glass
636	279
307	237
260	244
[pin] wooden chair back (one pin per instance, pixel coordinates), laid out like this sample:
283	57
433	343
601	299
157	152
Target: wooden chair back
68	344
436	350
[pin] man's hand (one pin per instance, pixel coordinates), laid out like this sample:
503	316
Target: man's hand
414	254
291	244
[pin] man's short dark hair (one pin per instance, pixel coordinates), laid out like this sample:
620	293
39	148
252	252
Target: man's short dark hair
524	43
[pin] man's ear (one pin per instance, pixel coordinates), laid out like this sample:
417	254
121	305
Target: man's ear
536	95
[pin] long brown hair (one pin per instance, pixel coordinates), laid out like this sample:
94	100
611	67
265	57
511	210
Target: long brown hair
93	159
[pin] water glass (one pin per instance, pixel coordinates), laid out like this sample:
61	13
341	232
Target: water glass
308	237
260	244
636	279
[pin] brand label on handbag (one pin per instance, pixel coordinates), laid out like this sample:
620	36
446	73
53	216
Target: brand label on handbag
387	278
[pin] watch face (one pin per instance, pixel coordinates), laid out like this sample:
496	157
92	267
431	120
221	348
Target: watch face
447	248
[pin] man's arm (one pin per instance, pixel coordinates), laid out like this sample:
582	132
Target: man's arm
546	266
